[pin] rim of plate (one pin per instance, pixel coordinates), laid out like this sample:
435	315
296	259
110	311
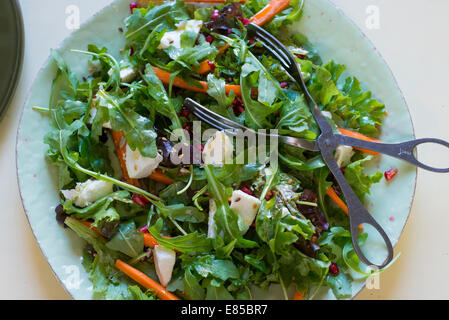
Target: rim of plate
347	18
47	61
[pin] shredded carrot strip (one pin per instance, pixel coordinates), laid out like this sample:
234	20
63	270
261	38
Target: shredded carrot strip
336	199
164	76
158	175
299	295
269	11
149	240
359	136
89	224
144	280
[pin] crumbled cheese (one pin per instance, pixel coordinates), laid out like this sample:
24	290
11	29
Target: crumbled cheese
246	207
127	75
343	155
164	261
88	192
218	150
138	166
173	38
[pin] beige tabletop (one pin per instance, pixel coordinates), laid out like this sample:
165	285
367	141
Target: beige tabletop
412	36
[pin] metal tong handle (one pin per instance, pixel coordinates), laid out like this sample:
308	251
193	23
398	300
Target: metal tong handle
403	150
358	213
327	142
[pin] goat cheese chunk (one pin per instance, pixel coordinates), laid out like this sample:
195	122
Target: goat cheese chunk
88	192
173	38
127	74
246	207
218	150
343	155
164	261
138	166
285	212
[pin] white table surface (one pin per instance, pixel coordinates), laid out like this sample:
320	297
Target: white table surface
412	38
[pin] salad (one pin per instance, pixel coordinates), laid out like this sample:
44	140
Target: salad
211	227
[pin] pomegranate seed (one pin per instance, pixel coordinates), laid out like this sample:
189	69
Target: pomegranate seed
247	190
300	56
140	200
209	39
390	174
245	21
131	51
215	14
240	109
144	229
333	269
269	195
251	41
211	65
284	84
184	112
132	6
240	18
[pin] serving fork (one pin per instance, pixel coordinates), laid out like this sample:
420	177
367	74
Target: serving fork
326	142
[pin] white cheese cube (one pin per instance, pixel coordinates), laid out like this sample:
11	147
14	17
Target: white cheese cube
173	38
343	155
138	166
327	114
285	212
218	150
190	25
127	75
246	207
211	230
164	261
88	192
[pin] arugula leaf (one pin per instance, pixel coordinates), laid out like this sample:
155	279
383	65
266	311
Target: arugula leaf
127	240
193	242
137	294
207	266
62	65
190	58
360	181
137	129
218	293
355	107
341	285
366	113
192	287
163	104
297	120
227	220
217	91
181	212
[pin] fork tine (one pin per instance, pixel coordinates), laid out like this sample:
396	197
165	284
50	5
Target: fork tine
274	43
213	122
285	63
193	105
